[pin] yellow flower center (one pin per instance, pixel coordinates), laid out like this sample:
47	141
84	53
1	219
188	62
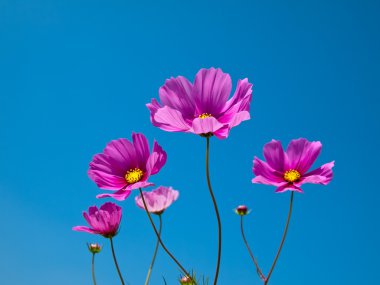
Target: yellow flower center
292	175
134	175
205	115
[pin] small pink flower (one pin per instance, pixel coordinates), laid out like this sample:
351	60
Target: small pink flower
201	108
242	210
288	170
104	221
158	199
124	166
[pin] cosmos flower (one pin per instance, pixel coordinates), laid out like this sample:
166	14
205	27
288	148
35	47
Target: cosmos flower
288	170
201	108
104	221
124	166
242	210
158	199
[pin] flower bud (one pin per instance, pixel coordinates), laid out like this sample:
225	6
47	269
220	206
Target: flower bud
186	280
94	247
242	210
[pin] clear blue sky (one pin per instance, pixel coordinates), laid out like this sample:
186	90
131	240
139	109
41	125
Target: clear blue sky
77	74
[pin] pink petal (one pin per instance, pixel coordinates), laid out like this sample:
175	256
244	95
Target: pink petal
170	120
106	181
289	187
261	168
122	153
141	146
211	90
118	195
262	180
242	93
302	154
206	125
156	160
274	155
176	94
84	229
322	175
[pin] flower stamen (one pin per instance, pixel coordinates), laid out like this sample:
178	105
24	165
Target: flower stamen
292	175
205	115
134	175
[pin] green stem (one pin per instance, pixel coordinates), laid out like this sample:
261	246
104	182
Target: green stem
216	211
155	253
258	270
93	268
283	238
159	238
116	264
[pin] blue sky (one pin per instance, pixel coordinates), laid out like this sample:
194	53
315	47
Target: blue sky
76	74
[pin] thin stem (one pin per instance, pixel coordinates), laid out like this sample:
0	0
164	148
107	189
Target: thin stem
114	258
93	268
159	238
283	238
155	253
258	270
216	211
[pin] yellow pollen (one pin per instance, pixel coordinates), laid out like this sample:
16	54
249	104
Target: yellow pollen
292	175
205	115
134	175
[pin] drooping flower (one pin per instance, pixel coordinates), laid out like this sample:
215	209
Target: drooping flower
104	221
288	170
94	247
158	199
124	166
242	210
201	108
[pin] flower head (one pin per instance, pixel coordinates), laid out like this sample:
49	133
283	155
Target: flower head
104	221
94	247
201	108
157	200
124	166
287	170
186	280
242	210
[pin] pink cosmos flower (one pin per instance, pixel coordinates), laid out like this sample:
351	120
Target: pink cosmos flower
288	170
157	200
201	108
104	221
124	166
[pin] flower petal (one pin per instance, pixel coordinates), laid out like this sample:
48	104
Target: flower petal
156	160
207	125
120	195
211	90
141	146
121	152
274	155
243	94
267	173
301	154
105	180
322	175
176	94
84	229
289	187
169	120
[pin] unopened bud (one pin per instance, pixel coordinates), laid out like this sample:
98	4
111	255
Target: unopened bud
186	280
242	210
94	247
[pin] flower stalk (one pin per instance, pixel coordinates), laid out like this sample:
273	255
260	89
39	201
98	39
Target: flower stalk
216	210
282	240
258	270
154	254
159	238
93	268
116	264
